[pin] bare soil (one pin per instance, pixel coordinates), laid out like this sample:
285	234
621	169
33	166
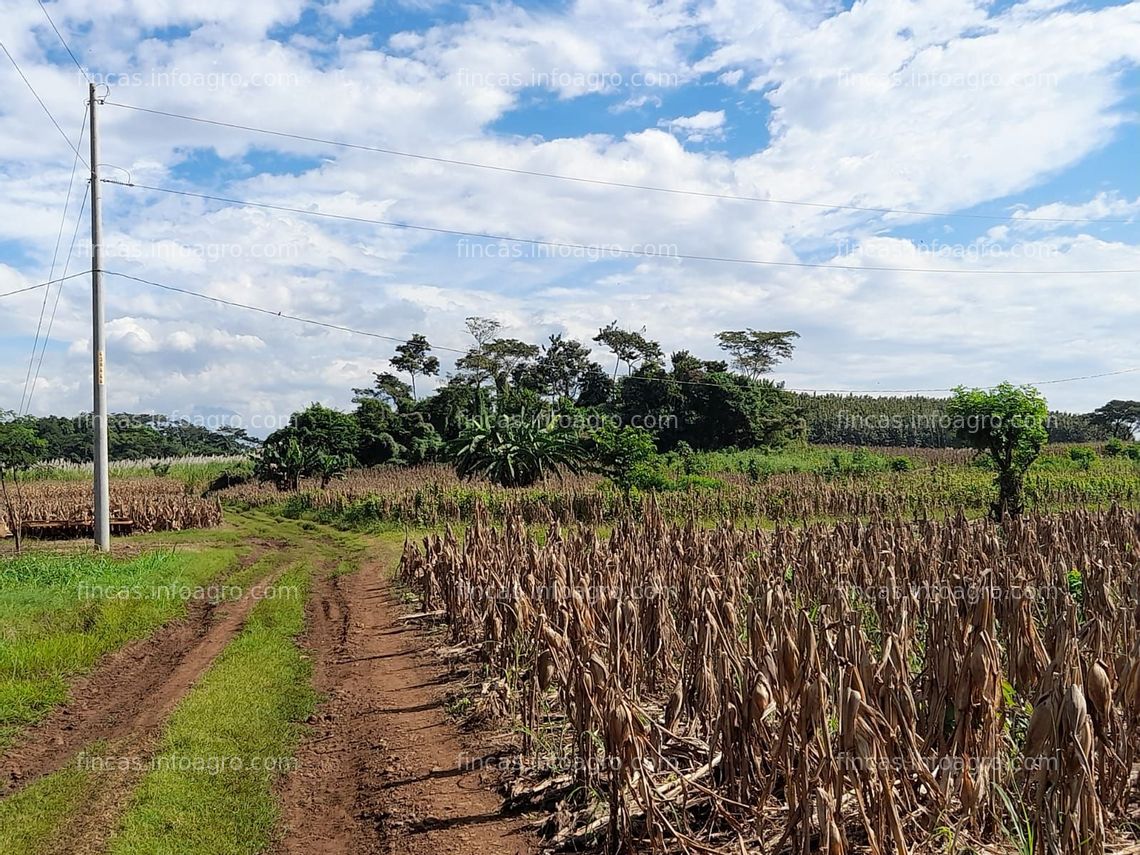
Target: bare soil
384	769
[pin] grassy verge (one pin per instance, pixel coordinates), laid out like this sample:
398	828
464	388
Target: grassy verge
210	787
28	820
60	613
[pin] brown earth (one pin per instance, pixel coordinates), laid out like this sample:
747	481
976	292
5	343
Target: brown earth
384	770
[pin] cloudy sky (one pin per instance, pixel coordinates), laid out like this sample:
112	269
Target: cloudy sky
1003	137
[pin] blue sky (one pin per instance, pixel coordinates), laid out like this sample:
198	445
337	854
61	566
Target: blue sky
1015	111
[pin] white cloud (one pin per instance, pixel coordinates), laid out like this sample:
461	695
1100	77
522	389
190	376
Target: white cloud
1103	206
932	104
702	127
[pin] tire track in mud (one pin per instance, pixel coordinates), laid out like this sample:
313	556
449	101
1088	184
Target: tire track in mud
383	771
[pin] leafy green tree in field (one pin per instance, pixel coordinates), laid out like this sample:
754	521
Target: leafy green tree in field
500	360
325	430
755	352
515	451
284	462
1009	423
626	455
452	406
1122	418
20	449
318	442
414	358
595	387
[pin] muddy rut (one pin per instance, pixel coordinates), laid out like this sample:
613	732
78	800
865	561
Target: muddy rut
383	769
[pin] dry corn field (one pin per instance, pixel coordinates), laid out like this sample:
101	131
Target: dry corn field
885	686
149	504
432	495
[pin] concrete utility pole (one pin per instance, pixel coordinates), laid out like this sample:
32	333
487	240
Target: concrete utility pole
98	348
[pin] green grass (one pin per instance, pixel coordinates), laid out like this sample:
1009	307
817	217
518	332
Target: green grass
195	472
60	613
248	706
29	819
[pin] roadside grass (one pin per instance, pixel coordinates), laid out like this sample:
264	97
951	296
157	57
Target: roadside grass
210	789
59	613
29	819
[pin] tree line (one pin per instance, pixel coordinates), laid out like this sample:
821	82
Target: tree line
131	436
509	393
926	422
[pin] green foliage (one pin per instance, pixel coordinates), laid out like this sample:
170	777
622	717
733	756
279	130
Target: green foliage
1122	418
1114	447
324	430
413	357
629	346
319	442
565	370
754	352
136	437
1008	423
1083	456
515	451
910	422
857	463
284	461
20	448
628	457
902	464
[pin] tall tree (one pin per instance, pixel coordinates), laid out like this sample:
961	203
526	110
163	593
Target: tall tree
483	330
387	388
506	356
478	365
755	352
628	346
413	357
561	368
1121	418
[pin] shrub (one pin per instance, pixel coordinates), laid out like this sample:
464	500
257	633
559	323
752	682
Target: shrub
1083	456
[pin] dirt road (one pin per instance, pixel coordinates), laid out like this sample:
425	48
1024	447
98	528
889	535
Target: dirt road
384	770
381	768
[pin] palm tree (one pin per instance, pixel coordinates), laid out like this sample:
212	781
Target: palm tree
515	451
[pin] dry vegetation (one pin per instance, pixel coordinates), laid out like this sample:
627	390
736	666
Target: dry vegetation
149	504
432	495
901	687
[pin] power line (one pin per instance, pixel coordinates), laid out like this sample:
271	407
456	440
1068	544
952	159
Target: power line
269	312
54	259
370	334
32	89
594	249
42	285
608	183
58	294
63	41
